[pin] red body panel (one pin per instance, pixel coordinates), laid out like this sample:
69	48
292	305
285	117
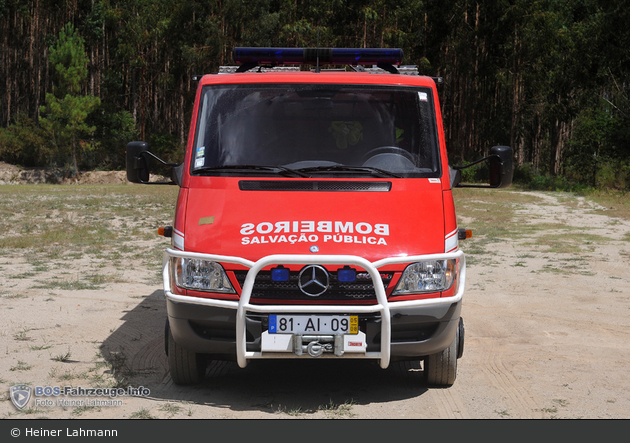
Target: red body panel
416	217
415	211
179	224
408	220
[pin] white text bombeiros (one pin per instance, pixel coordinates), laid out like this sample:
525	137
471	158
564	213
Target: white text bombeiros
310	231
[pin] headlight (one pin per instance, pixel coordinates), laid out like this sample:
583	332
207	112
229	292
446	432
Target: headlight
200	275
427	276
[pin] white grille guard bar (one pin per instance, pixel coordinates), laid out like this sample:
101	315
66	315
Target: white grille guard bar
243	304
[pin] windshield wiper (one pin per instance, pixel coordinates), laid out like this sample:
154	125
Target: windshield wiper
277	169
344	168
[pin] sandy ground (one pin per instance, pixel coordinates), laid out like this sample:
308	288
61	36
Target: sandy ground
547	336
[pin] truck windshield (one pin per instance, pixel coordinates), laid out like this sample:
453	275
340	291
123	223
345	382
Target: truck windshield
316	130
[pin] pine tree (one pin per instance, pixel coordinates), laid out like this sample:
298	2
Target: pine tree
66	109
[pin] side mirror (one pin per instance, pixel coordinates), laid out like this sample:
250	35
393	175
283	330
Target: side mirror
137	162
138	170
456	177
501	168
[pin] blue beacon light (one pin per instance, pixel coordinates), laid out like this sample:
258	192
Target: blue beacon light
340	56
346	274
279	274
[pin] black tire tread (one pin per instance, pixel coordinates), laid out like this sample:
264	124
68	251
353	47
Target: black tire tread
441	369
186	367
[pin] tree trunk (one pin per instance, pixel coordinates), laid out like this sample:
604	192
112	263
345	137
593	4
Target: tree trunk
75	171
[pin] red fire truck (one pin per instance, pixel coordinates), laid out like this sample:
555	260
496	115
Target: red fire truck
315	216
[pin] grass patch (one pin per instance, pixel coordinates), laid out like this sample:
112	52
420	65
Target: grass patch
102	229
22	335
170	408
492	215
68	285
40	347
31	410
613	203
79	410
567	243
21	366
142	414
62	357
332	410
78	218
13	296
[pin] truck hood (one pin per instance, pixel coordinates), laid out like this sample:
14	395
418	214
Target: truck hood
224	219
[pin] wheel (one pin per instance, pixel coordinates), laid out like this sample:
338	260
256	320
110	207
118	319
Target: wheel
440	369
387	150
460	338
186	367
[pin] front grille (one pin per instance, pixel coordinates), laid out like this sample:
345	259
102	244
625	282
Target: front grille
314	185
266	289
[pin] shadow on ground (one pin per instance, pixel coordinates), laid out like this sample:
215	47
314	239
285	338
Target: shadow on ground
136	354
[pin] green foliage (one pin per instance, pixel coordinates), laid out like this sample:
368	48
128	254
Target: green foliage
24	143
613	175
548	78
479	173
66	111
113	131
69	61
550	183
531	178
599	152
525	173
167	147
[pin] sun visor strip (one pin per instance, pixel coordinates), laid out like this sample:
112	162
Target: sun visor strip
315	185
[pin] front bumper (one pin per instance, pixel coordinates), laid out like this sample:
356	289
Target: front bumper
401	329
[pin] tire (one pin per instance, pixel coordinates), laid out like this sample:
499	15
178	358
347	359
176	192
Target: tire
186	367
440	370
460	338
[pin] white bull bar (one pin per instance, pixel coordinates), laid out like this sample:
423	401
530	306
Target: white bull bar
243	304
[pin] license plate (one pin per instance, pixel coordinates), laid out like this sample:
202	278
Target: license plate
313	324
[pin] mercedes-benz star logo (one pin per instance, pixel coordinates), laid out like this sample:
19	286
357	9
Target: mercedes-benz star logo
313	280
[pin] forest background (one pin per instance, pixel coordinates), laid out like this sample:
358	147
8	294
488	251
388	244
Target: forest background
81	78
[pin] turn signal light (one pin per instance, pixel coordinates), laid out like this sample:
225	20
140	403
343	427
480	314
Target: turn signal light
463	234
165	231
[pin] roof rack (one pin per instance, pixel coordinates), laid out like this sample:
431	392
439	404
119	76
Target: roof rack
403	70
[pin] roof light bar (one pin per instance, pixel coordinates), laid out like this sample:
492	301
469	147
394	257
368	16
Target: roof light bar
335	56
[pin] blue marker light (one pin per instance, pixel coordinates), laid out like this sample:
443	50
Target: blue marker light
346	274
280	274
268	55
367	56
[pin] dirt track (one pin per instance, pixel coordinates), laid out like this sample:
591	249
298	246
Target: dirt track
547	332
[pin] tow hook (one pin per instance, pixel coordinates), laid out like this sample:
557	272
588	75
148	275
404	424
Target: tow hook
317	344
